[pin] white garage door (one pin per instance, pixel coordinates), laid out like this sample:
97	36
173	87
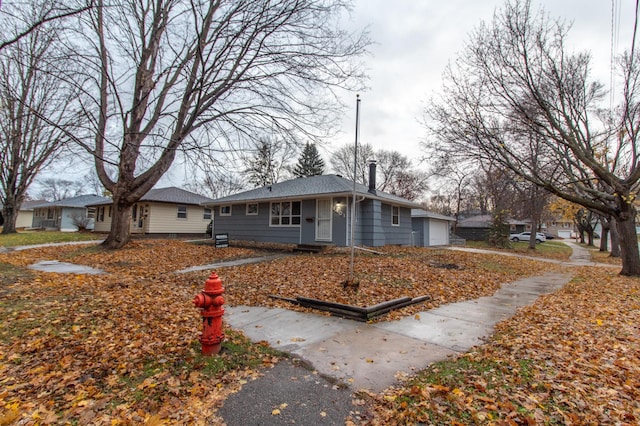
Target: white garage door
438	233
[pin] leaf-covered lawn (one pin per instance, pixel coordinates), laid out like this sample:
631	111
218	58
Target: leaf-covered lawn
122	348
573	358
444	275
25	238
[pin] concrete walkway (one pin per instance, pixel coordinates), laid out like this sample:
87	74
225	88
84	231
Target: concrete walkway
580	256
370	356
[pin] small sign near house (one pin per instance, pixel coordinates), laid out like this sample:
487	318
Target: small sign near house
222	240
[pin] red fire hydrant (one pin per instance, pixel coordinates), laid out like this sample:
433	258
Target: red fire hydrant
210	301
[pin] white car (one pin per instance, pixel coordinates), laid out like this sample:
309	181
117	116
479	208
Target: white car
526	236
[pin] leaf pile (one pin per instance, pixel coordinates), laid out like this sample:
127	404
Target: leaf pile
122	348
400	272
115	349
572	358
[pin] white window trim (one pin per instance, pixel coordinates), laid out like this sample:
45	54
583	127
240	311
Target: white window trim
291	215
204	213
247	209
186	212
225	214
392	215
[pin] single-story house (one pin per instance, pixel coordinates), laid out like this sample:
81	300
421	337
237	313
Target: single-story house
161	211
430	229
315	210
476	228
66	215
25	214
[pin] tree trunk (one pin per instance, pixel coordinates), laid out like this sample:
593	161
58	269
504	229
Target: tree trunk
10	215
120	233
615	240
628	240
10	211
604	238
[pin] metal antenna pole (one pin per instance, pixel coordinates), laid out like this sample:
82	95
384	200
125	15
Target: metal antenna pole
353	202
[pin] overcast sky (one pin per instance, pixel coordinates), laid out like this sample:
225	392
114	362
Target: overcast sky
417	38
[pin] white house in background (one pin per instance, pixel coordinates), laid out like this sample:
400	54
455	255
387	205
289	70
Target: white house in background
430	229
161	211
65	215
25	214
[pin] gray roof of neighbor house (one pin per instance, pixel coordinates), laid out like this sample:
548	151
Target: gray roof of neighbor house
79	201
310	187
168	195
30	204
484	221
431	215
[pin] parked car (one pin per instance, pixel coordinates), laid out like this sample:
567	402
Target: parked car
525	236
549	236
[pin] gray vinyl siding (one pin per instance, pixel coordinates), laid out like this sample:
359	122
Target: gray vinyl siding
370	227
400	234
240	226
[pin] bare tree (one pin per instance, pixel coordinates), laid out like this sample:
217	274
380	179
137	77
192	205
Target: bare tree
398	176
342	161
58	189
267	162
38	110
203	76
396	172
517	97
47	11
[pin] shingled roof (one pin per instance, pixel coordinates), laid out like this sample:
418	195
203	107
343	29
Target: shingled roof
168	195
77	202
308	188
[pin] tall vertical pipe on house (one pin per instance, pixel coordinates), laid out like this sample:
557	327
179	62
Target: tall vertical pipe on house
353	202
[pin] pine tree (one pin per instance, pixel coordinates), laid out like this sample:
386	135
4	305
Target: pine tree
310	163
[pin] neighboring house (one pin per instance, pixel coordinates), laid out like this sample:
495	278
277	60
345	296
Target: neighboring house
315	210
476	228
161	211
430	229
25	214
560	227
65	215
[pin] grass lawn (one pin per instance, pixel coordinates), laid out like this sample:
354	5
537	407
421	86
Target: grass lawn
27	238
122	348
551	249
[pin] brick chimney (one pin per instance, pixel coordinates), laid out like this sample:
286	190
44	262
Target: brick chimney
372	176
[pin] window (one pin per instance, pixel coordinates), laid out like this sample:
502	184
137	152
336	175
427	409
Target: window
286	213
91	212
225	210
252	209
182	212
395	215
100	217
207	214
49	213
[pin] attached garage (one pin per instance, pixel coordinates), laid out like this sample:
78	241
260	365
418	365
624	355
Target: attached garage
430	229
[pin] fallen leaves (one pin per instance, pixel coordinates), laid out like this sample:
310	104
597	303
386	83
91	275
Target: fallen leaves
119	348
401	272
571	358
122	348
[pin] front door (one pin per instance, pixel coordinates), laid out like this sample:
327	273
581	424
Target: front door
323	222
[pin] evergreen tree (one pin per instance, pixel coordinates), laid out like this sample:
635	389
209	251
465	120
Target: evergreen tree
310	163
